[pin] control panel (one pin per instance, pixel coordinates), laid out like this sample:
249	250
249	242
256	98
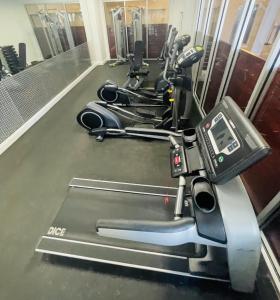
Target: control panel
178	161
220	139
228	142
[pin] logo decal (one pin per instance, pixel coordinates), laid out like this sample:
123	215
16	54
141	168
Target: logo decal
56	231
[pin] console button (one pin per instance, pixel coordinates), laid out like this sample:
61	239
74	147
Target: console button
220	158
177	160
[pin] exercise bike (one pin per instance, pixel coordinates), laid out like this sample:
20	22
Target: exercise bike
110	92
102	118
138	69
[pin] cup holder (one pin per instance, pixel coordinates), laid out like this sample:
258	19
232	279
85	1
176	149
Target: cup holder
203	196
189	135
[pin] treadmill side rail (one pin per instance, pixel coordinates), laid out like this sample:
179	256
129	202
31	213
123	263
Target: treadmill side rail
243	234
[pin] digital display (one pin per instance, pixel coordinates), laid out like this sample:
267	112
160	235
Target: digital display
221	134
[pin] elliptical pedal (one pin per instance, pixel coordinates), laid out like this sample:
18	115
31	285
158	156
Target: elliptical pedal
146	113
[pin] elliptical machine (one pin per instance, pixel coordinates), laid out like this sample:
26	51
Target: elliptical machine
175	49
111	93
101	118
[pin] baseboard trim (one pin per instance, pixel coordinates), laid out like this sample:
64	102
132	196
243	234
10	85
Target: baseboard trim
34	119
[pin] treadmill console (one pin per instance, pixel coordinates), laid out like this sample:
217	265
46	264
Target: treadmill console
228	142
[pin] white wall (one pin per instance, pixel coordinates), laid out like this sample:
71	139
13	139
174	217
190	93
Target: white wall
95	27
16	28
46	1
182	15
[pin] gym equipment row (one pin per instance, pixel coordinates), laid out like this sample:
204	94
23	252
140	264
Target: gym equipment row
168	110
205	228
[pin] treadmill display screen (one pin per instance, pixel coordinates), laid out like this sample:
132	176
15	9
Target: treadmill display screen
222	135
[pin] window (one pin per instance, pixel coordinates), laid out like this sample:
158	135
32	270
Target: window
208	45
157	26
255	49
262	180
232	19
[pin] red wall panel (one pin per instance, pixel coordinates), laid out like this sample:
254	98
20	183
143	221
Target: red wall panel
244	77
263	180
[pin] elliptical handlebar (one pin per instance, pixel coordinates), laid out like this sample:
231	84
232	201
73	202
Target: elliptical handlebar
173	35
165	45
165	70
179	45
173	56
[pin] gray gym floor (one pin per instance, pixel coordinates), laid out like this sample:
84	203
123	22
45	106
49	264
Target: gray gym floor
34	174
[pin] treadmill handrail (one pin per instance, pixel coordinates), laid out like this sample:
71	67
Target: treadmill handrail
152	131
146	226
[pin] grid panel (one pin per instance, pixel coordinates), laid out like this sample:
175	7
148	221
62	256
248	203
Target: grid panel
24	94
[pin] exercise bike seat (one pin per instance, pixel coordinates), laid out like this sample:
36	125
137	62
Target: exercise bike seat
137	61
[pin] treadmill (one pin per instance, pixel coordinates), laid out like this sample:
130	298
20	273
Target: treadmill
206	229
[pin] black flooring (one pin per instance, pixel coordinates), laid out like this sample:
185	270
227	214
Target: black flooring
34	174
